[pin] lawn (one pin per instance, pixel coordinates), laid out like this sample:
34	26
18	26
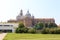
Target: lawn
14	36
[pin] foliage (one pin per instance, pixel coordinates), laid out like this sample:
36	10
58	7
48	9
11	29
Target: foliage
51	31
45	25
31	30
52	25
21	25
25	30
46	29
21	29
39	26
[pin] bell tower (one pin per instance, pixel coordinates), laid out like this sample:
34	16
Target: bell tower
21	13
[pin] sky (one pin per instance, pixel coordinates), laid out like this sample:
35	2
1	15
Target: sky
9	9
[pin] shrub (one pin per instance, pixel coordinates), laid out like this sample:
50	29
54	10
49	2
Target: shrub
31	30
21	25
45	31
25	30
51	31
57	31
21	29
17	30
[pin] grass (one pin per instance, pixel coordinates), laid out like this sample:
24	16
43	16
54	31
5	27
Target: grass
14	36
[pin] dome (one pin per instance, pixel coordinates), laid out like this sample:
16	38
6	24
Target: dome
19	17
28	14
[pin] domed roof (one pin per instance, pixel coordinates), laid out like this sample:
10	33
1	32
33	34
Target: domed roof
28	14
20	16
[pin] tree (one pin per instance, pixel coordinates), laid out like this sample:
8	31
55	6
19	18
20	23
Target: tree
21	28
21	25
25	30
39	26
46	25
52	25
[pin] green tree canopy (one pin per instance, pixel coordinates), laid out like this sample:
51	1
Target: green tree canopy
39	26
21	28
21	25
52	25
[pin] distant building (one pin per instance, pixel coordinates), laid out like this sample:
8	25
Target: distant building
8	27
29	20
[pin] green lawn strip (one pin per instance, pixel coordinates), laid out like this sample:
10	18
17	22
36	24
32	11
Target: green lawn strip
14	36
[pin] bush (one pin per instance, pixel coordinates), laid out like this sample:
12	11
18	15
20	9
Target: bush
21	25
17	30
51	31
57	31
25	30
45	31
31	30
21	29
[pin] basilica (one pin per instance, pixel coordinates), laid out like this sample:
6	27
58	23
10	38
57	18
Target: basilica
29	21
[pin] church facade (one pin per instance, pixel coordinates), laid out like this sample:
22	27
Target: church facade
29	20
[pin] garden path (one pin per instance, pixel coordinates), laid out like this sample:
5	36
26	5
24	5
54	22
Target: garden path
2	35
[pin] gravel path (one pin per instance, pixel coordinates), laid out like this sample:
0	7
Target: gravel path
2	35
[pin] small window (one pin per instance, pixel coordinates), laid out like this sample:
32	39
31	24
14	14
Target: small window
0	25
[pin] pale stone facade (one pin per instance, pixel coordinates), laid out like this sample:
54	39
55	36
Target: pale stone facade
30	21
